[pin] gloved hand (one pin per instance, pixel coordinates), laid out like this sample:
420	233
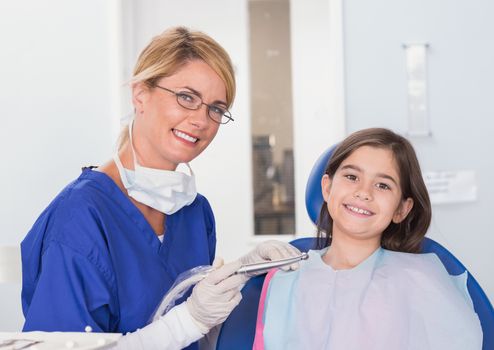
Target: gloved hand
272	250
214	298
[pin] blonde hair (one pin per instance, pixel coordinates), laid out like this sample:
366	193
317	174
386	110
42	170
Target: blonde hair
171	50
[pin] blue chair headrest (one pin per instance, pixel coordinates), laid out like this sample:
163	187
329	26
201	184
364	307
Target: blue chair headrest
313	194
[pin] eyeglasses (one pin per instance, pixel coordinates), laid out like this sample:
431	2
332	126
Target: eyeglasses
191	101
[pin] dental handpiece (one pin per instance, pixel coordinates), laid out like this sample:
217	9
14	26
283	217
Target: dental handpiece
265	266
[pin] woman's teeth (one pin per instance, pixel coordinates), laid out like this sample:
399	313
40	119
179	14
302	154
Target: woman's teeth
184	136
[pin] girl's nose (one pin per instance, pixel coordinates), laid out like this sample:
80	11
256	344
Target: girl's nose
362	194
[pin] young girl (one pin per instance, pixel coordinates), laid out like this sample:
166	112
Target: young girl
368	289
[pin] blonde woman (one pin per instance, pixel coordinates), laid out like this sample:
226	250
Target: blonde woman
111	244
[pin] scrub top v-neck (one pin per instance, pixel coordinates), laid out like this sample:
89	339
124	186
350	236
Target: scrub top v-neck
92	259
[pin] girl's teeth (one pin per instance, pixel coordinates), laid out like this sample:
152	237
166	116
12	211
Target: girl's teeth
358	210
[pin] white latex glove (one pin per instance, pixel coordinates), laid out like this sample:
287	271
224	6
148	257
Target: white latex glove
173	331
272	250
214	298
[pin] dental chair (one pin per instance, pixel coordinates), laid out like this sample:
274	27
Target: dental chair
238	330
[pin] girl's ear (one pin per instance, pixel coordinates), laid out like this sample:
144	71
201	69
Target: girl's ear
326	186
403	210
139	95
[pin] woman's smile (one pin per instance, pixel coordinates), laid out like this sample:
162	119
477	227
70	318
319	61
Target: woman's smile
185	137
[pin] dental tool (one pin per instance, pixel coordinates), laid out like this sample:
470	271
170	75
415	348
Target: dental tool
265	266
191	277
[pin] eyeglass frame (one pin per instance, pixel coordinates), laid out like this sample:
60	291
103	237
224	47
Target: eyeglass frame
226	114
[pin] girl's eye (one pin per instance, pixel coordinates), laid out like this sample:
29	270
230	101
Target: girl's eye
382	186
351	177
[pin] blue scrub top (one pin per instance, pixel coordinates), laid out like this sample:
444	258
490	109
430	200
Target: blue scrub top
92	259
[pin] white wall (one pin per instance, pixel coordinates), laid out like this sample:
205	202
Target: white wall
461	76
58	108
317	80
56	102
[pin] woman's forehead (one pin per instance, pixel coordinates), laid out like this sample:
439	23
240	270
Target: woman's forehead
198	76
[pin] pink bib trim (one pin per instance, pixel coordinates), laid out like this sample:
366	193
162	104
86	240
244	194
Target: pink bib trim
259	337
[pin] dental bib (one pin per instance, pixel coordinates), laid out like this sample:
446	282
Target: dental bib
164	190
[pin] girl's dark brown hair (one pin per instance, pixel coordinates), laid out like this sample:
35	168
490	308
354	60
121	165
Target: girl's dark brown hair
408	234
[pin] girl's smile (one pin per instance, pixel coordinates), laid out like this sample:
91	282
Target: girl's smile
359	211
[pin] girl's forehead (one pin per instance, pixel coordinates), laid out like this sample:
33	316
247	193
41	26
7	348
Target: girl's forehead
372	159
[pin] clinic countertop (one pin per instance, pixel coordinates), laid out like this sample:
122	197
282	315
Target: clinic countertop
57	340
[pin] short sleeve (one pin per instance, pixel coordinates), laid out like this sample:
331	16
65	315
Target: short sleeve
71	293
210	227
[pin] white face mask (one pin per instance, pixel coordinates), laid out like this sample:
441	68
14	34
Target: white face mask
164	190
